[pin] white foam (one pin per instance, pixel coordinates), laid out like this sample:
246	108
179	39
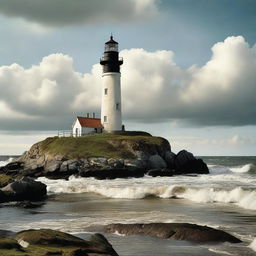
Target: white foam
219	251
162	188
3	163
253	245
243	198
241	169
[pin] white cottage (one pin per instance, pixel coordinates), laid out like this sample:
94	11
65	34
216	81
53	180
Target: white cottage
86	125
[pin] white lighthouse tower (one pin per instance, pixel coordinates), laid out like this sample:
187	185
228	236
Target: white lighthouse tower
111	111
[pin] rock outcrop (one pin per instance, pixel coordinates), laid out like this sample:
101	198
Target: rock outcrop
52	242
104	156
185	162
23	189
175	231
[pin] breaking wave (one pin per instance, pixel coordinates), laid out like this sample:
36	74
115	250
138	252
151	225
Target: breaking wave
245	198
253	245
242	169
219	169
5	162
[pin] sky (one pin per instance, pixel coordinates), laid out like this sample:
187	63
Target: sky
188	73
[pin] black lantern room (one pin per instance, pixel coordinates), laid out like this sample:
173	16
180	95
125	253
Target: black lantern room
110	60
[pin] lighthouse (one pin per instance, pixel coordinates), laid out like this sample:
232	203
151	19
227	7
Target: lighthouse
111	111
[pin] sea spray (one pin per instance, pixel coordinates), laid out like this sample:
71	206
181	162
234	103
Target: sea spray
154	187
241	169
241	197
5	162
253	245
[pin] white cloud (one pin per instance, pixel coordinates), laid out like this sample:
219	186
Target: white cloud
154	88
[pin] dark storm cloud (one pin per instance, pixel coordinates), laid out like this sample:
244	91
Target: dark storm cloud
67	12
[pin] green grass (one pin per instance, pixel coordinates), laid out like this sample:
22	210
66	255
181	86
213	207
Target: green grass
47	242
97	145
5	179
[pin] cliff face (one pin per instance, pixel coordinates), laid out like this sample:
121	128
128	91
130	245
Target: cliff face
99	155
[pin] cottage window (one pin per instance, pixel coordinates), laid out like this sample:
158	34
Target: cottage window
117	106
106	91
105	119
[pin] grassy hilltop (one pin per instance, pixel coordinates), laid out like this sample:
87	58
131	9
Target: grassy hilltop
100	145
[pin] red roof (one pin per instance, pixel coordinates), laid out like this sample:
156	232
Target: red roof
90	122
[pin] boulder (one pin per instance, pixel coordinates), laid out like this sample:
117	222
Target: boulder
49	237
112	173
12	168
174	231
116	163
69	167
101	243
169	159
3	197
52	166
53	242
185	162
9	244
25	189
135	164
98	161
157	162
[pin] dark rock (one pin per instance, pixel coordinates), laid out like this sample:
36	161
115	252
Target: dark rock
96	245
161	172
157	162
12	168
6	233
169	159
185	162
52	166
101	243
49	237
28	204
25	189
175	231
112	173
79	252
3	197
195	166
116	163
8	244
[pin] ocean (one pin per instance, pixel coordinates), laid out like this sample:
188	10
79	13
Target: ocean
224	199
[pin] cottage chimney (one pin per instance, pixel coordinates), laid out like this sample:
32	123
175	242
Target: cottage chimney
93	115
88	114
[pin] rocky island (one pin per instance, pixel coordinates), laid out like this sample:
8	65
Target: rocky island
128	154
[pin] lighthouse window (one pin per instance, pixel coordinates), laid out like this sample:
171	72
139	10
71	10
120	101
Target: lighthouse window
105	119
106	91
117	106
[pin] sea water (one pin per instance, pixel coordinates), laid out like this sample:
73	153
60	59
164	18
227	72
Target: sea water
224	199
